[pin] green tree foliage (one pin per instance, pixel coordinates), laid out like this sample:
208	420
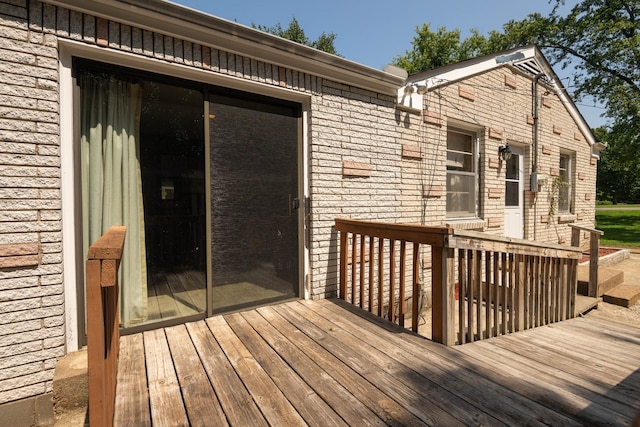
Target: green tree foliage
599	40
325	42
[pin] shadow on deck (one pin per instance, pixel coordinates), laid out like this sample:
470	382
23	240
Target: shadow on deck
329	363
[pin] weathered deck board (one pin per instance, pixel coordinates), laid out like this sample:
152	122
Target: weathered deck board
308	403
167	407
236	402
132	395
311	366
328	363
449	369
201	402
423	397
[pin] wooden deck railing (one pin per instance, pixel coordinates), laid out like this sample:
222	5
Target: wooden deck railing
373	287
482	285
103	335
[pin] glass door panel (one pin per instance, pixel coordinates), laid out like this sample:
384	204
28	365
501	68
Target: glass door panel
172	162
254	202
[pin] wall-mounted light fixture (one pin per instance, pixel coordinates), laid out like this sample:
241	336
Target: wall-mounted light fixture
504	152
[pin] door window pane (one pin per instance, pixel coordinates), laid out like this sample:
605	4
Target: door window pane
512	193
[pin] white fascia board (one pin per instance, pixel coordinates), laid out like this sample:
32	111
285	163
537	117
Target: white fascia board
463	71
200	28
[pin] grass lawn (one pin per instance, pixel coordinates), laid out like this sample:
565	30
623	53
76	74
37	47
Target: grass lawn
621	228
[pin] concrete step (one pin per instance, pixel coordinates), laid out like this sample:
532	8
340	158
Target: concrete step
623	295
608	278
70	388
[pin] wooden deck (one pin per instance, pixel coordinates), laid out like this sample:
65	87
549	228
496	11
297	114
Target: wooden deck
327	363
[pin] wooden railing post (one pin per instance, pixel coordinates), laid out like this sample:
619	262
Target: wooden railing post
594	255
443	291
103	334
594	252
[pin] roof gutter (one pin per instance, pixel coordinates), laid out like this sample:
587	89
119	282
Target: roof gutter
198	27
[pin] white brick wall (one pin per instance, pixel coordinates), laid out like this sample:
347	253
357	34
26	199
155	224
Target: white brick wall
500	113
31	297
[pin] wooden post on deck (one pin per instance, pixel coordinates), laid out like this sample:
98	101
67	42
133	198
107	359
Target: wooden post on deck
443	291
594	250
103	329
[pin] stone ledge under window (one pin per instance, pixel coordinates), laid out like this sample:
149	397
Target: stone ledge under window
467	224
566	218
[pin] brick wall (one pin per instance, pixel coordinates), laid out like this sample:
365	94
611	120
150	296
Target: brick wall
357	129
31	289
497	106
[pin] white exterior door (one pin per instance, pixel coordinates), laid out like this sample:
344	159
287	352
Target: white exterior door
514	195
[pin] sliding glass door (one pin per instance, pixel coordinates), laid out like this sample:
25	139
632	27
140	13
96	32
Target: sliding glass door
146	153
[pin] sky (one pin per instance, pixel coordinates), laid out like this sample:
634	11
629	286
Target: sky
373	32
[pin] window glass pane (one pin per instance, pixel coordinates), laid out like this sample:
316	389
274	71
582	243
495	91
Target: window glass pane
459	142
461	178
563	199
564	190
459	152
459	161
460	194
512	193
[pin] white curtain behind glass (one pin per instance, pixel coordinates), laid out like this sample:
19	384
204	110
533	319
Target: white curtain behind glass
111	181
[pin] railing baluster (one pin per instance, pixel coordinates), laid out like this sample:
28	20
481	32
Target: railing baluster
462	294
353	267
417	291
380	276
403	272
520	292
511	290
504	293
496	293
477	278
488	294
392	278
344	256
362	269
371	272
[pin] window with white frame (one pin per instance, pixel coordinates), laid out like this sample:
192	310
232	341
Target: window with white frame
462	174
566	183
